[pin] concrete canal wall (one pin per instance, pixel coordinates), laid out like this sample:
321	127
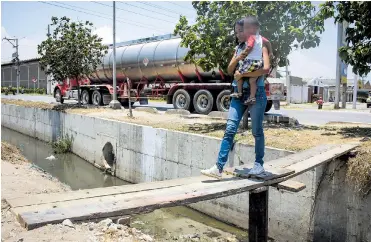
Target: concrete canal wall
145	154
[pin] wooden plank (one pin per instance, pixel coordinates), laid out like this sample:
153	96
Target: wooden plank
320	159
104	191
258	216
300	156
33	216
124	204
335	149
290	185
269	174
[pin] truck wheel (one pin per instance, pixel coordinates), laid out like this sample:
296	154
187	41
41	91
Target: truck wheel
97	98
85	97
58	96
223	101
182	100
269	105
203	101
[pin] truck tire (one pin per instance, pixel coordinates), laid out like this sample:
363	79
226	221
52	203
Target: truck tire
97	98
203	101
223	101
58	96
368	105
182	100
85	97
269	105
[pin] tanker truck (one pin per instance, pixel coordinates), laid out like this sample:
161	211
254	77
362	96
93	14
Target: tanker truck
157	66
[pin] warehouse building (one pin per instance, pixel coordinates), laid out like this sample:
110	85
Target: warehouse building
29	70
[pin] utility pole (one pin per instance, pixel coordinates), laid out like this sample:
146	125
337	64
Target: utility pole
16	58
114	104
288	84
355	90
48	79
338	67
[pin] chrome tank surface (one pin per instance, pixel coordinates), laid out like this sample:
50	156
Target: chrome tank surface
163	58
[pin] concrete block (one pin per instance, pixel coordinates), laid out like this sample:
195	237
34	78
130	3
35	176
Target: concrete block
159	173
135	138
178	112
197	151
211	151
125	130
218	115
170	170
184	171
107	128
160	144
147	109
148	141
172	146
147	168
184	149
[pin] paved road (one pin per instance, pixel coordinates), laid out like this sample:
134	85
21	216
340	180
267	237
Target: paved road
307	116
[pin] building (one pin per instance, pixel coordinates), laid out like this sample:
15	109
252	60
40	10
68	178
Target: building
325	87
29	70
299	88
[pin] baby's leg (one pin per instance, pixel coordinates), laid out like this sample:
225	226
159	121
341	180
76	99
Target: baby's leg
238	94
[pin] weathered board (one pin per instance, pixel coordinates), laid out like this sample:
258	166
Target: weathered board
291	186
39	210
269	174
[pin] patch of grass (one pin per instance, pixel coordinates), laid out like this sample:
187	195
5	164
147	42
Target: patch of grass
19	102
12	154
63	145
359	169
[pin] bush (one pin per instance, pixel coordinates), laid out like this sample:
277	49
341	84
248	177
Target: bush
25	90
63	145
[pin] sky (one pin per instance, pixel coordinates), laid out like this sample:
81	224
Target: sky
28	22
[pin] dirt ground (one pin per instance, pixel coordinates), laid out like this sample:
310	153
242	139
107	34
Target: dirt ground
19	178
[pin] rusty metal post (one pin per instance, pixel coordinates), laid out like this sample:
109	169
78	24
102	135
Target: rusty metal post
258	215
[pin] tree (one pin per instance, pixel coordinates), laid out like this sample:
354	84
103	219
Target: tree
358	35
287	25
72	51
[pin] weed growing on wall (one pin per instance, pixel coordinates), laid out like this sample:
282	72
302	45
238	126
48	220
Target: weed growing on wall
63	145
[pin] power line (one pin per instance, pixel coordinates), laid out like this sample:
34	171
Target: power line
124	20
130	11
159	7
147	10
181	6
98	15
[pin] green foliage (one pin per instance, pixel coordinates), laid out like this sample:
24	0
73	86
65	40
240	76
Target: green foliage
25	90
286	25
358	15
63	145
72	51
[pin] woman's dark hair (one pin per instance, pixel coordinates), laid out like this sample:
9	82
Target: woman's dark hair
240	23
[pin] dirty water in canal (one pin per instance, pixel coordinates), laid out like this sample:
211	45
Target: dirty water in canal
166	224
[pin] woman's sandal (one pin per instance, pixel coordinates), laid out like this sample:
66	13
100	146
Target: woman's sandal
236	95
250	100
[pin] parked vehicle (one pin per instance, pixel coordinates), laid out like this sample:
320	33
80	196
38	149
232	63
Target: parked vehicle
161	66
368	100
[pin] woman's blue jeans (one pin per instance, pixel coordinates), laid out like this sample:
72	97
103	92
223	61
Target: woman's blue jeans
236	111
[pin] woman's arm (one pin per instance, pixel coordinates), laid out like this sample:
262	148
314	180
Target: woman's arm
235	59
232	65
260	72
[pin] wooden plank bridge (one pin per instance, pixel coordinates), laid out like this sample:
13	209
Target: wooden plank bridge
38	210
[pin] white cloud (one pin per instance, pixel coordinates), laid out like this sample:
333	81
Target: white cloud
106	33
27	47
